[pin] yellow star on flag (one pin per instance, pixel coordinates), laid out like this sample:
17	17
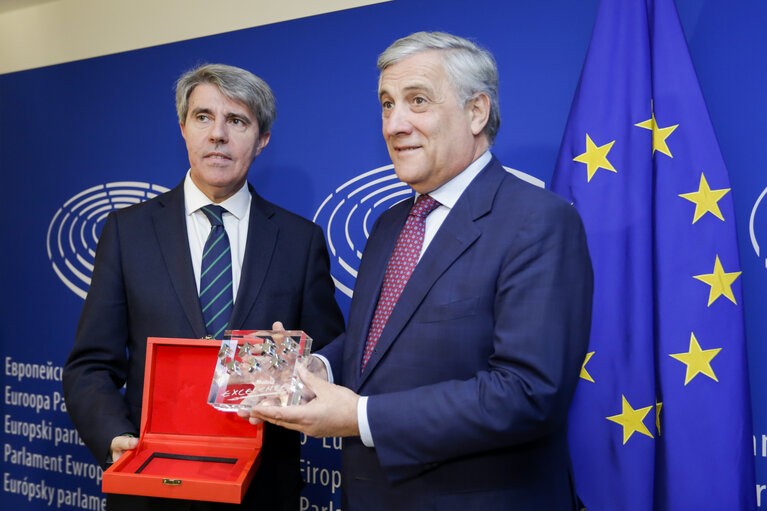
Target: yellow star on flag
631	420
659	135
584	373
595	157
705	199
697	360
720	282
658	406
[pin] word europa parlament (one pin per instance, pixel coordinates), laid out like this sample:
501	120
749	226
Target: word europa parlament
27	370
42	430
62	497
321	476
31	371
55	401
64	464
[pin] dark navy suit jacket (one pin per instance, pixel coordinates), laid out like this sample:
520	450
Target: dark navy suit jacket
471	379
143	286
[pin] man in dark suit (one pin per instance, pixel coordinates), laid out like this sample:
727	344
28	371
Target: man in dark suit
455	397
147	279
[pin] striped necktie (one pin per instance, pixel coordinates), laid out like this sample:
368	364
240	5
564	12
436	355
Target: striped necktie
398	270
216	275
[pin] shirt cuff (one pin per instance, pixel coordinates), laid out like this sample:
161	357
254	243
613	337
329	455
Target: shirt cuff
362	422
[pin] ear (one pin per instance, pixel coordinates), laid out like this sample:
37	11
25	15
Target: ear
262	141
479	109
183	133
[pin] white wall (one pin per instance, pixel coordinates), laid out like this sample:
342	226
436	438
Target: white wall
52	32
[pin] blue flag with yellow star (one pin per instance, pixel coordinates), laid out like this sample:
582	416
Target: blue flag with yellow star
661	419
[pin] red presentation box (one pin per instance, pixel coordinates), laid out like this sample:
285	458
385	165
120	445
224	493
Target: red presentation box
187	449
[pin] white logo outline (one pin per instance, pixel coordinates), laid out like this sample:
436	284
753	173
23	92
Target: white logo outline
376	190
751	222
73	231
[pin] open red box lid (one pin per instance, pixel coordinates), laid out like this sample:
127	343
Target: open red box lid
187	449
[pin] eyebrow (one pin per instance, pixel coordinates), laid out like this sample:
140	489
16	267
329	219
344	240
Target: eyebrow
410	88
200	110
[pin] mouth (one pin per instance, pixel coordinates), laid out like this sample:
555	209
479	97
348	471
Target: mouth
217	156
406	148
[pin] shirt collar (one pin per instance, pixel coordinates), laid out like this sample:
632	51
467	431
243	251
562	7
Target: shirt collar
449	193
194	199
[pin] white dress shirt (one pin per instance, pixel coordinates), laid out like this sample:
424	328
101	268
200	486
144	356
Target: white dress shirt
235	219
447	195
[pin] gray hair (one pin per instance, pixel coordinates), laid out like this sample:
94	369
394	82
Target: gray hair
470	68
234	83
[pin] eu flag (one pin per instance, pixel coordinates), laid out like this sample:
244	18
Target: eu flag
661	419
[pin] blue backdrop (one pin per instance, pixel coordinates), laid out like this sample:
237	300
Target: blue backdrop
70	130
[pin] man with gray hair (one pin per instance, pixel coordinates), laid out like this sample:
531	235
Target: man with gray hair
471	311
151	279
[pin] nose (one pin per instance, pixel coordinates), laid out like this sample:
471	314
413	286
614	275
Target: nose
396	121
218	132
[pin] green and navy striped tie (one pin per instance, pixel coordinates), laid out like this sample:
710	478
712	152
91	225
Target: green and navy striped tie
216	275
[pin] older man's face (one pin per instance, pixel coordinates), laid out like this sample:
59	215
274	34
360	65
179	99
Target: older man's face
431	137
222	139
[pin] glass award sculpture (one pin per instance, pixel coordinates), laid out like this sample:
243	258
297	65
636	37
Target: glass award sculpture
259	367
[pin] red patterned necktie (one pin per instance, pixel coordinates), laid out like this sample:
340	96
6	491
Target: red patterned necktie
399	268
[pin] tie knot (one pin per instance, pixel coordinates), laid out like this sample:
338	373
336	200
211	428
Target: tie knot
423	206
215	215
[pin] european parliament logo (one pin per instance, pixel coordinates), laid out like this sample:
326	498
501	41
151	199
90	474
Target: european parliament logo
74	230
348	214
757	225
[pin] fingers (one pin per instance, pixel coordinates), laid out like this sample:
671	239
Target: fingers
124	443
120	444
277	326
332	413
270	409
317	366
249	403
289	417
312	383
276	413
307	376
245	413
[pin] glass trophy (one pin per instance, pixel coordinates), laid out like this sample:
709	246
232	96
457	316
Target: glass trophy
259	367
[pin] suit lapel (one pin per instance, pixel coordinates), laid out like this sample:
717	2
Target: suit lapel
457	233
262	238
170	228
378	249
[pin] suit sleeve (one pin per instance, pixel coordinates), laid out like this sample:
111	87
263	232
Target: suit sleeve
97	366
321	317
541	309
